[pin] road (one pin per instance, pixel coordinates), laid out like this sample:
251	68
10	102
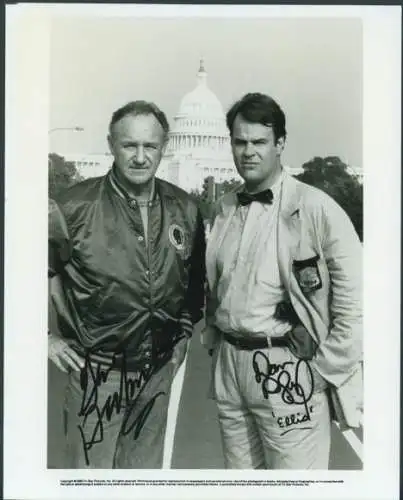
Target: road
196	443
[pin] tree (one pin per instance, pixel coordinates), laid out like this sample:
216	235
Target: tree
61	174
205	206
208	189
211	192
330	174
227	187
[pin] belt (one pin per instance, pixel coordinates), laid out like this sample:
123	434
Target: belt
256	343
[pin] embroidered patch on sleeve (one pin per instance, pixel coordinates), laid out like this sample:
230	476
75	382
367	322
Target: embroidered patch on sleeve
177	237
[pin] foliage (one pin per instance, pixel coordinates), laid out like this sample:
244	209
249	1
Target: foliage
330	174
228	186
206	208
204	199
61	174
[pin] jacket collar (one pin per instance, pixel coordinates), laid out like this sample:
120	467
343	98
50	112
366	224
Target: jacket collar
290	202
164	190
121	191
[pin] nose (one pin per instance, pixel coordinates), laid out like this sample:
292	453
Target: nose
249	150
140	157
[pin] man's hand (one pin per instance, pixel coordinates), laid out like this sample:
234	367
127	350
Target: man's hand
319	383
209	338
179	354
62	355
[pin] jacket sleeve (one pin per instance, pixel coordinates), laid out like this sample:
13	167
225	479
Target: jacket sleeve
194	300
211	307
211	295
59	244
338	355
209	336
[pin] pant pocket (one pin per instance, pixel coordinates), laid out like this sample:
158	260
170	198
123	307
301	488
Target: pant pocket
297	436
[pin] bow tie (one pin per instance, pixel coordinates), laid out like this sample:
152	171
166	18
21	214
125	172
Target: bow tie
245	198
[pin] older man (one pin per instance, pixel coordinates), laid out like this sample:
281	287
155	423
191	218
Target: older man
284	307
126	262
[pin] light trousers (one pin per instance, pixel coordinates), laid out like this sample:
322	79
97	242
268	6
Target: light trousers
270	416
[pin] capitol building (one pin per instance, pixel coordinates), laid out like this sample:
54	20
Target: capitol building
199	141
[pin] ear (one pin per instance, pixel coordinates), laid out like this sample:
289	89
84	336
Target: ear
110	143
164	146
280	145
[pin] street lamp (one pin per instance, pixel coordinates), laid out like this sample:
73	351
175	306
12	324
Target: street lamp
74	129
57	129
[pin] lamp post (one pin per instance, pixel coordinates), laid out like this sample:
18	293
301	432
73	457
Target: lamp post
58	129
73	129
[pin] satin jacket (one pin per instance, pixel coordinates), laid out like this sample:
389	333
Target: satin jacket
319	258
114	292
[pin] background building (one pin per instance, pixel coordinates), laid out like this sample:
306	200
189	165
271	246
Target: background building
91	165
199	142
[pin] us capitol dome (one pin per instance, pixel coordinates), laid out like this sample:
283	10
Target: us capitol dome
199	141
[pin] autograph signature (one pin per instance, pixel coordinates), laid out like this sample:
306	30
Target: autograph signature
294	419
123	400
276	379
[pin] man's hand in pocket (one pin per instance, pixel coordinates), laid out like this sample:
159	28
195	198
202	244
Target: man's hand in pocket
319	383
179	353
62	355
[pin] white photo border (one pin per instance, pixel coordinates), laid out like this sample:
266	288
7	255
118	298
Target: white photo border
25	351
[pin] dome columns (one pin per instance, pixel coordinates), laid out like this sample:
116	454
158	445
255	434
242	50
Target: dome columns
183	141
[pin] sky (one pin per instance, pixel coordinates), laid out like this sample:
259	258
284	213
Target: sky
312	66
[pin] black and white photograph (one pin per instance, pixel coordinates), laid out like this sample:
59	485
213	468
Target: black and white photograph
202	284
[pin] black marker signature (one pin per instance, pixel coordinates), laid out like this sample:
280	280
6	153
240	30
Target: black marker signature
294	419
296	429
130	389
276	379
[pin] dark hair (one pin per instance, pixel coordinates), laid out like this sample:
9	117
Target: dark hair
258	108
140	108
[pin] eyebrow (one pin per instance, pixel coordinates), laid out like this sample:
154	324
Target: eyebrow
144	143
257	139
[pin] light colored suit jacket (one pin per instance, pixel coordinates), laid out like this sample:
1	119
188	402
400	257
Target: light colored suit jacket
319	258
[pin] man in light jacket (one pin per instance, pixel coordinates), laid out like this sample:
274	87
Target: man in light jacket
284	307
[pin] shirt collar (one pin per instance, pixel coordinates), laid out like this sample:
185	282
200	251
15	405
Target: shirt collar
276	189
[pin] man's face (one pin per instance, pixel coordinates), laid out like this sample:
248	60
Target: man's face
137	144
256	154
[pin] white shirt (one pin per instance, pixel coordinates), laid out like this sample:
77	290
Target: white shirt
249	285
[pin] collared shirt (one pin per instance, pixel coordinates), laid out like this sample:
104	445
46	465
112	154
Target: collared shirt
249	285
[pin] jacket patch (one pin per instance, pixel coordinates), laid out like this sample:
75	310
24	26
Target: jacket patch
307	274
177	237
